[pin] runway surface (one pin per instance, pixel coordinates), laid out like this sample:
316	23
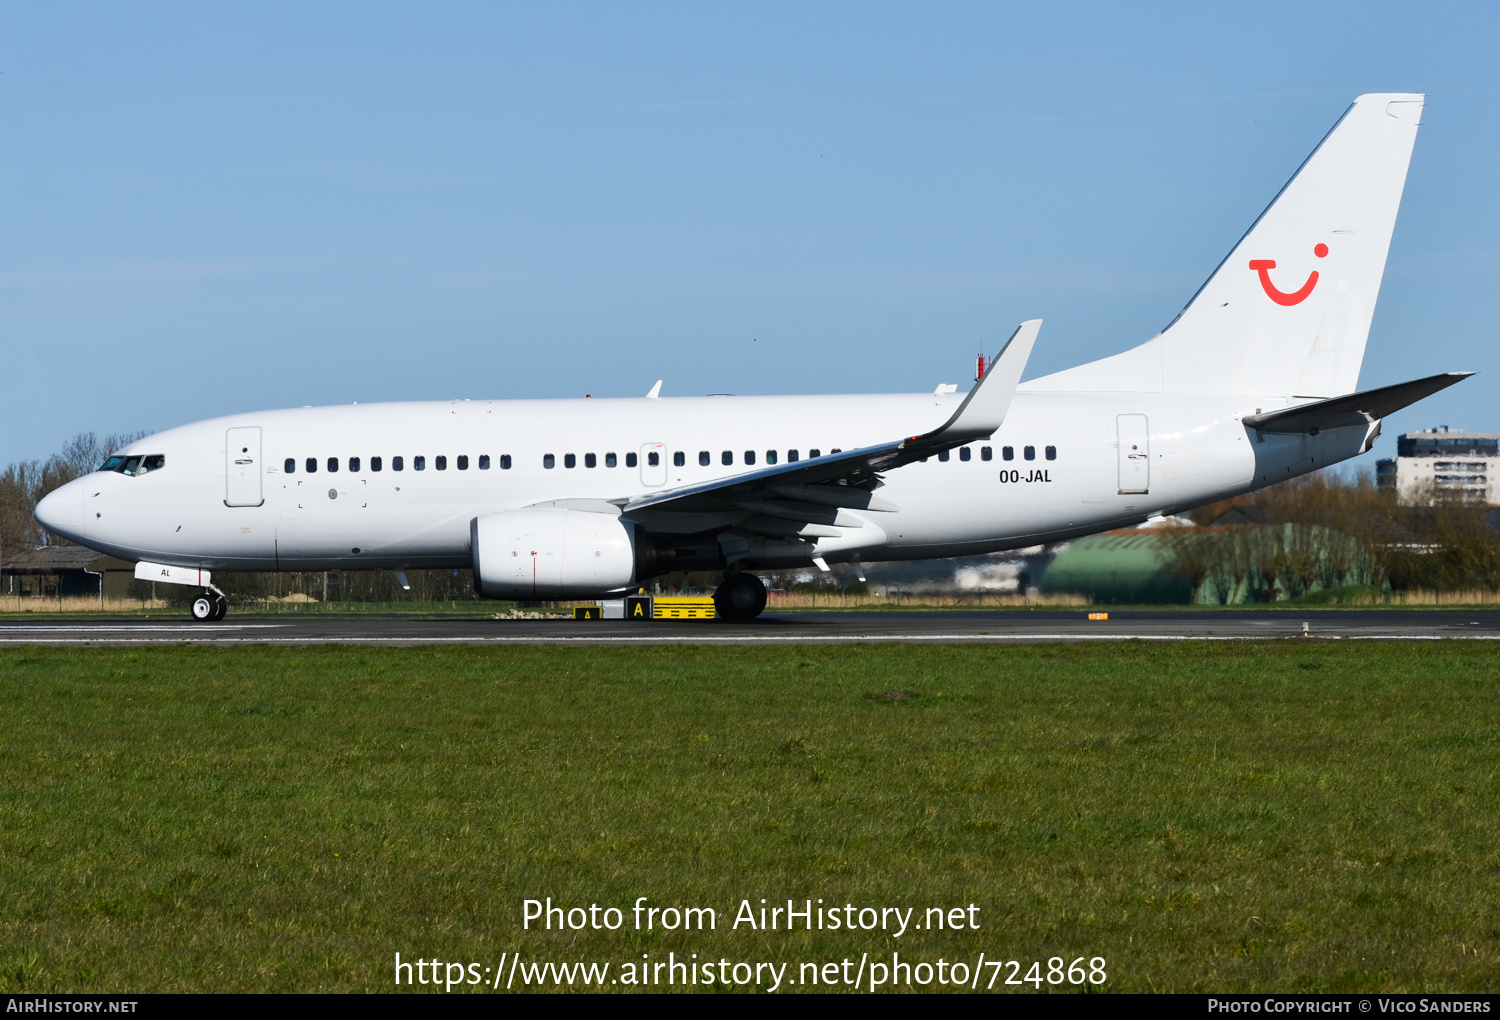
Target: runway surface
948	627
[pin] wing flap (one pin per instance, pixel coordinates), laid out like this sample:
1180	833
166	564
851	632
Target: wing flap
836	495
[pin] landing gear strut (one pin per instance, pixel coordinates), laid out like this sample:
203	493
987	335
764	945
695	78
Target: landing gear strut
210	607
740	598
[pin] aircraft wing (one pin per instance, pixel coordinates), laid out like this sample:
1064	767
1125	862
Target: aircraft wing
1354	409
813	491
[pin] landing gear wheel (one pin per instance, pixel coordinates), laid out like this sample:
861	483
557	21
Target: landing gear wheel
741	598
209	607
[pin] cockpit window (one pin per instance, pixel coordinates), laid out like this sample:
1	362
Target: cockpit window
134	465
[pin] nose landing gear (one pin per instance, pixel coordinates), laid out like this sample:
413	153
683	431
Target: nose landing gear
209	607
741	598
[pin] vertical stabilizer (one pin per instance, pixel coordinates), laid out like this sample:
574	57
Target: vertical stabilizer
1288	311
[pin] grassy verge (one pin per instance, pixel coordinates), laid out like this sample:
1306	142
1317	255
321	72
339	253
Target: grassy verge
1267	816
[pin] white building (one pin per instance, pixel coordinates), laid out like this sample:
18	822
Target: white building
1465	464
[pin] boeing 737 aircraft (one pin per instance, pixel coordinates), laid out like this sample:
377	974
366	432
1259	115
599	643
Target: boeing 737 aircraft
1252	383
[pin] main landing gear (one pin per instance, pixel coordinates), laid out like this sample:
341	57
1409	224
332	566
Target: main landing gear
210	607
740	598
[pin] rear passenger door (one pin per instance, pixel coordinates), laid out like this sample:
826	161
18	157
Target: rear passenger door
1135	453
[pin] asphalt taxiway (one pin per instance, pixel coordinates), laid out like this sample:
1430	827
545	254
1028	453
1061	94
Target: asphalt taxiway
940	627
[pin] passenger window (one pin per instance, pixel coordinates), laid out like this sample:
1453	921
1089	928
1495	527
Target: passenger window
770	456
705	458
333	464
441	463
679	459
815	452
548	461
484	462
419	463
610	460
749	456
589	460
943	456
290	465
631	460
965	454
398	463
1007	453
353	463
463	462
1029	453
312	465
726	458
1051	452
791	456
835	450
653	459
570	460
505	462
986	453
154	462
375	464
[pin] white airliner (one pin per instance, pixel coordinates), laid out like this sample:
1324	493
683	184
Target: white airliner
1252	383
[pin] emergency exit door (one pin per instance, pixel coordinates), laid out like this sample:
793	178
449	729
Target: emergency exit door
653	465
1135	453
242	467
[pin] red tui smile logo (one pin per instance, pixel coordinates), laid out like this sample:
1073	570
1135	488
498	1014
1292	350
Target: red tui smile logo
1296	297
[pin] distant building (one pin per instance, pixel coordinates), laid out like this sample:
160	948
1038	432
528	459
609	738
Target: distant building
1463	464
60	571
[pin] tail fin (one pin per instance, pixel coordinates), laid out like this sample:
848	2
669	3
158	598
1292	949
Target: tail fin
1288	310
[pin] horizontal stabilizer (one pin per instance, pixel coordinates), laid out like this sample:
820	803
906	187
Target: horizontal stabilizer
1354	409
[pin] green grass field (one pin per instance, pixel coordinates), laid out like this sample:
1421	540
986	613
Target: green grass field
1246	816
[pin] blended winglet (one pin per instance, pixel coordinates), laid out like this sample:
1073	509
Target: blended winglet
984	409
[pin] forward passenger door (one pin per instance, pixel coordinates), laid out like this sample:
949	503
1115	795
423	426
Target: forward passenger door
242	472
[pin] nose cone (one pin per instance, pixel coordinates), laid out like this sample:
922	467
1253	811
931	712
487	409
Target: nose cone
61	510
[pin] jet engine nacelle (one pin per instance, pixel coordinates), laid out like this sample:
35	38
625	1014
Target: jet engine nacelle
551	553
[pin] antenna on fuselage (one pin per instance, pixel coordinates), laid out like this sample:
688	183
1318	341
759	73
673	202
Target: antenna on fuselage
655	393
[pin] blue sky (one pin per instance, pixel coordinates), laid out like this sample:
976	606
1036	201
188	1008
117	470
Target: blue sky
209	208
